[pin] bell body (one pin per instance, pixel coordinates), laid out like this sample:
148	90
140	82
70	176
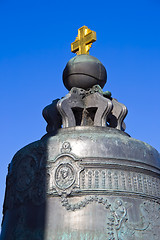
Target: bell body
84	183
88	180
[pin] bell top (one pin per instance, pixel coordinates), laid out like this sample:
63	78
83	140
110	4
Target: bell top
84	71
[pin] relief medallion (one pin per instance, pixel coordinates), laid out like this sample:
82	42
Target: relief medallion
64	176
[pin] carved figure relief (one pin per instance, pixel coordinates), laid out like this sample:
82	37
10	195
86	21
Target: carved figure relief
26	180
32	180
119	225
64	172
64	176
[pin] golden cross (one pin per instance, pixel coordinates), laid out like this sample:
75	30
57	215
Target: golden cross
83	41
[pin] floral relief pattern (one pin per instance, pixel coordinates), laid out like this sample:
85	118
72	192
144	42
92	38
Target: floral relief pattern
119	226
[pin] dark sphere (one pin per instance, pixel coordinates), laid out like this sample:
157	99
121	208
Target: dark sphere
84	71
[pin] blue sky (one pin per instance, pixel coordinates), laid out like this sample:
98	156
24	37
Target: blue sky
35	38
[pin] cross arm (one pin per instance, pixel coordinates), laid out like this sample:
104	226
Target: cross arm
90	37
75	46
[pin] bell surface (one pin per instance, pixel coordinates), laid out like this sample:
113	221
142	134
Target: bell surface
84	71
86	179
83	183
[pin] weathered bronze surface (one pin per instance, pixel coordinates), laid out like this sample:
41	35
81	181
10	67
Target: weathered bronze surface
86	179
85	183
84	71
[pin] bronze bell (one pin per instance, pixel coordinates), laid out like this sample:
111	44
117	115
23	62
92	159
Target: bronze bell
86	179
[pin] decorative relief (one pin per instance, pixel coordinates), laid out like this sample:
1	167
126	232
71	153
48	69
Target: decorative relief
83	179
129	181
66	147
116	180
119	221
119	225
151	212
87	200
157	187
31	177
104	179
135	187
140	186
30	180
89	179
145	185
123	179
96	179
33	180
64	174
26	179
149	185
154	186
109	179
